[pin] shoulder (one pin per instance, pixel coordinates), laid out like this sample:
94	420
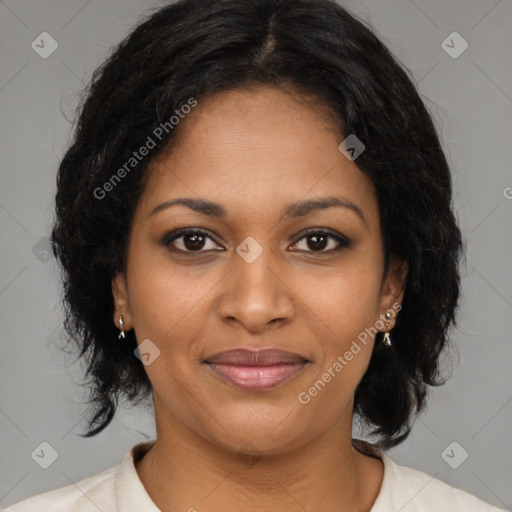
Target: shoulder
115	488
90	494
411	490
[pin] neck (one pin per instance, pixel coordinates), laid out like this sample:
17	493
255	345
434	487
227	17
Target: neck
184	471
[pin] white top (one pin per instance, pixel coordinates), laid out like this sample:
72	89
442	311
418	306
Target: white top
119	489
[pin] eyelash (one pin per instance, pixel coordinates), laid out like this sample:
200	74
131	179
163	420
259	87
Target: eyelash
169	238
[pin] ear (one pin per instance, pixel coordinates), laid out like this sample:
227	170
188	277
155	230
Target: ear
121	302
393	289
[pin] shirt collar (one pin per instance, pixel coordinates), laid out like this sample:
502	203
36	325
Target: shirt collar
131	494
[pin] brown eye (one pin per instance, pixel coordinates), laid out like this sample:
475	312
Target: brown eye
194	242
319	241
191	240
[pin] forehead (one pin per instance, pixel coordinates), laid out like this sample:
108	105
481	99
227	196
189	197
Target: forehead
257	149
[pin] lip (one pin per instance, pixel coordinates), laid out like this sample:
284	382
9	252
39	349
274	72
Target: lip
256	369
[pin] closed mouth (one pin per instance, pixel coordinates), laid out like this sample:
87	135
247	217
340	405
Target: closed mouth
261	357
256	370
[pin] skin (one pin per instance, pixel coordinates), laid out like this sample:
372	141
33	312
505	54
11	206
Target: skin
218	447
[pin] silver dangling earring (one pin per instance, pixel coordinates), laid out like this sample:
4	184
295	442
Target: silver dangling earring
121	325
387	338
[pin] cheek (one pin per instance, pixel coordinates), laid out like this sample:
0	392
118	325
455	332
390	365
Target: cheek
165	298
347	299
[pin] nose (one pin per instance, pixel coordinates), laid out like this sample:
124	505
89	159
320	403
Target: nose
255	294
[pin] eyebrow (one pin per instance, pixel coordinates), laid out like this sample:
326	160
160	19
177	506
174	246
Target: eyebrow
292	210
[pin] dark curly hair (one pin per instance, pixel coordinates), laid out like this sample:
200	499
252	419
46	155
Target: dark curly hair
195	48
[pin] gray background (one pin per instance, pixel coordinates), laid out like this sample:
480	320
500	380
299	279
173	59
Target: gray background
470	98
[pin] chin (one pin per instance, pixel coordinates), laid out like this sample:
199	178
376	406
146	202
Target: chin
259	430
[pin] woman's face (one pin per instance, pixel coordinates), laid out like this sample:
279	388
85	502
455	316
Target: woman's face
256	279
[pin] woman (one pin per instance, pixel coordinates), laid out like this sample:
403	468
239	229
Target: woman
262	318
